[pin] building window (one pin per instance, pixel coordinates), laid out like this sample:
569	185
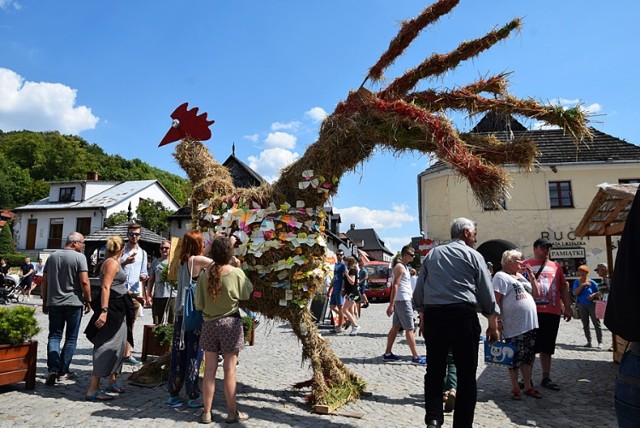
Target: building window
628	180
489	205
83	225
67	194
55	233
560	195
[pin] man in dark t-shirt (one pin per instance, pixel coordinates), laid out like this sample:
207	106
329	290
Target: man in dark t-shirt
27	270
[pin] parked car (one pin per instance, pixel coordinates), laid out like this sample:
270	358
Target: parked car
379	283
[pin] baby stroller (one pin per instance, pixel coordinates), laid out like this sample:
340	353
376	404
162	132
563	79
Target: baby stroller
10	289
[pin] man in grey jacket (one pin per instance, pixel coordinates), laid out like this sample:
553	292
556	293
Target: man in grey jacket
65	290
453	285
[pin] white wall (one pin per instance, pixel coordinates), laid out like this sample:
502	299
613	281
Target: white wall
70	217
528	215
21	222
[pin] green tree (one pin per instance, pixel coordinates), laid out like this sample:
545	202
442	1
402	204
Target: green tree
153	215
29	160
6	240
15	184
116	218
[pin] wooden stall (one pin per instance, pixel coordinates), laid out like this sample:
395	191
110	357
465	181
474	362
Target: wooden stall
606	217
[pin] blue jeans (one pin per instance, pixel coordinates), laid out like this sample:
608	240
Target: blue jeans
59	316
627	396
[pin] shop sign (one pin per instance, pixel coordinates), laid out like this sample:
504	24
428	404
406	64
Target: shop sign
567	253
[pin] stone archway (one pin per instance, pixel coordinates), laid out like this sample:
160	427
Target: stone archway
492	251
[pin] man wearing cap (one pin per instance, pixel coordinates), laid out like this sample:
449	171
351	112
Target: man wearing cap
553	302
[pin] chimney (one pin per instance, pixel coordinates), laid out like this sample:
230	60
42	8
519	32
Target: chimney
353	226
92	176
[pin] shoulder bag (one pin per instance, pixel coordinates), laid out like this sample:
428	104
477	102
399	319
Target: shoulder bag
192	318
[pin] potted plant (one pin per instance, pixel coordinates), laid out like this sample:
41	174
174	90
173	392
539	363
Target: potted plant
18	354
248	327
157	339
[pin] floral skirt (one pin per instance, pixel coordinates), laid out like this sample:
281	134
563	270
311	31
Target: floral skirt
525	344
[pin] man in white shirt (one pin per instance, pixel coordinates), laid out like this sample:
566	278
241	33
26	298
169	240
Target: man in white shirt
134	263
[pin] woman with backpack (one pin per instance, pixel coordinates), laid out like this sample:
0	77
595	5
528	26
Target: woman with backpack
186	354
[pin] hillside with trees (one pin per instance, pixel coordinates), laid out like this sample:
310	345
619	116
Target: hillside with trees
29	160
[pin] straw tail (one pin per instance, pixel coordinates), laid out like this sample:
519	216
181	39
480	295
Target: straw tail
438	64
409	31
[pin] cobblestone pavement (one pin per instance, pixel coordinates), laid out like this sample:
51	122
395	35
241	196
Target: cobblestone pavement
268	369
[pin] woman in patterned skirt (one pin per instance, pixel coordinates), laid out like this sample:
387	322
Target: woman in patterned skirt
220	289
519	319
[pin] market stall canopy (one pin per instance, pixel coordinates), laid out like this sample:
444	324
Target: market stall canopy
608	210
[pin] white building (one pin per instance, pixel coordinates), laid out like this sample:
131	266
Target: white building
80	206
547	202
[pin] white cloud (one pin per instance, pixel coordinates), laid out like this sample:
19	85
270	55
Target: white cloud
566	103
270	161
253	137
541	125
365	218
592	108
292	126
5	4
40	106
396	243
317	114
281	140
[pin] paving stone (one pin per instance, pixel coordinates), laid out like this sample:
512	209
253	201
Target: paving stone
268	370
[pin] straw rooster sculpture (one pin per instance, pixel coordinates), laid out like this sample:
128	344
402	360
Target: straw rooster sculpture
280	226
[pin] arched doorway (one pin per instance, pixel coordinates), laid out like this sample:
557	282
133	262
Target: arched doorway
492	251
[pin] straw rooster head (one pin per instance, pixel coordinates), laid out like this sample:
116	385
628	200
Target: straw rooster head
187	123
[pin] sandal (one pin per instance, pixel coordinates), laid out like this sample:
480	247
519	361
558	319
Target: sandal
239	416
515	394
532	392
547	383
115	387
99	395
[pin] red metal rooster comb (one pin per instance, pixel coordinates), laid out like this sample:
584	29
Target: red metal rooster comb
187	123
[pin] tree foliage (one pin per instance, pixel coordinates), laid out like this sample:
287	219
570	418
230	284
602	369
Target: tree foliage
29	160
6	240
153	215
116	218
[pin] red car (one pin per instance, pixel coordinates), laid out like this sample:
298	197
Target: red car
379	282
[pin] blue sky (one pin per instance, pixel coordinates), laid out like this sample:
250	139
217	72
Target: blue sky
267	72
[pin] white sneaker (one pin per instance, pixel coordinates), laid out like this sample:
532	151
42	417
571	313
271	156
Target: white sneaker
354	331
600	345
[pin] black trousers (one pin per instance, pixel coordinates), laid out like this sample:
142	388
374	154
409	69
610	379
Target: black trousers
456	327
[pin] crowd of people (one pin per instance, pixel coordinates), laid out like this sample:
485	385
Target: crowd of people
66	294
523	303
